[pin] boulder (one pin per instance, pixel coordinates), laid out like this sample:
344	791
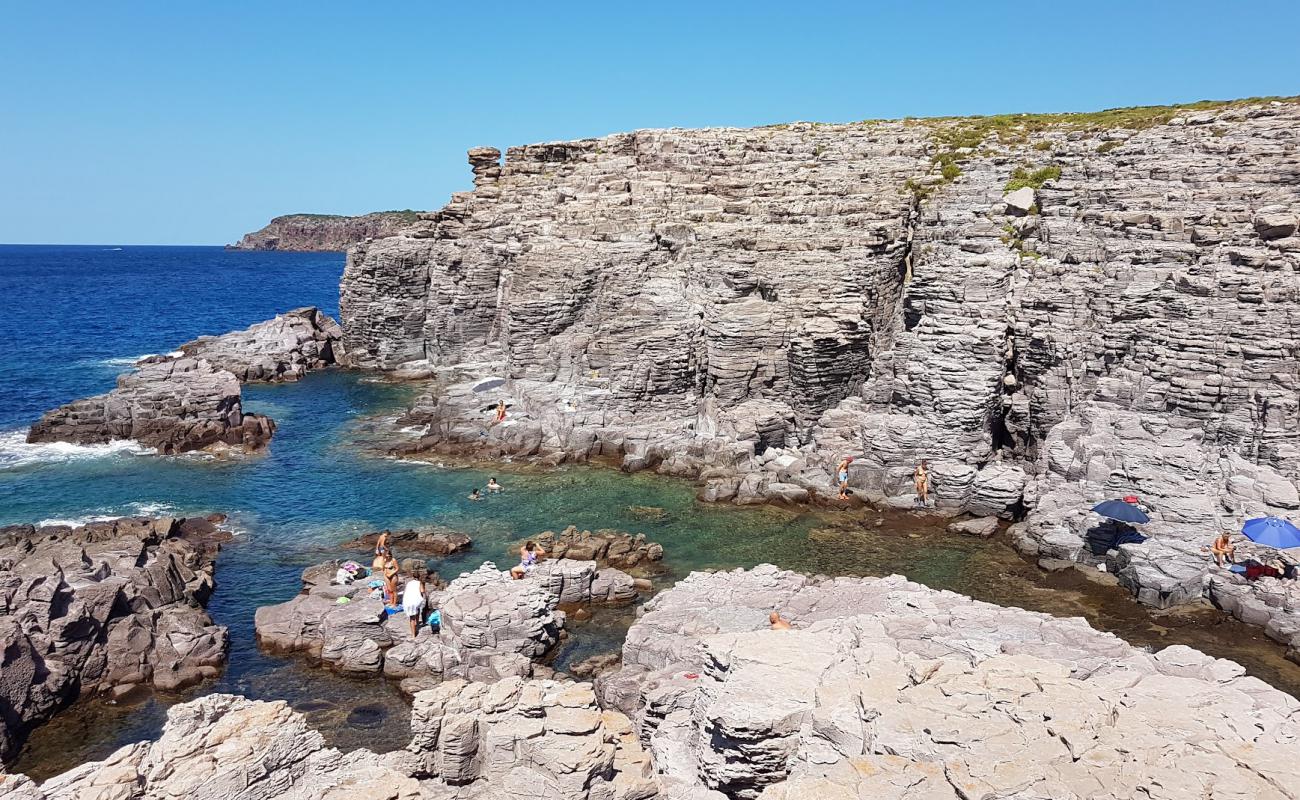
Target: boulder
983	527
1020	201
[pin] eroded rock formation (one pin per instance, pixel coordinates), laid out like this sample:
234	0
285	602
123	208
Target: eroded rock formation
608	548
104	607
191	399
1051	310
323	232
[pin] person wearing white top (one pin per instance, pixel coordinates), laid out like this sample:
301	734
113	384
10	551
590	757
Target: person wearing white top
413	604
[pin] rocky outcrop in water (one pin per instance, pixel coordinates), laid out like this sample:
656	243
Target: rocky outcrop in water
327	232
283	348
191	400
887	689
106	607
492	626
608	548
1052	310
175	407
430	541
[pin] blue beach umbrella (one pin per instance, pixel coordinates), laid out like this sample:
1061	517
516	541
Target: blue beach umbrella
1272	531
1122	511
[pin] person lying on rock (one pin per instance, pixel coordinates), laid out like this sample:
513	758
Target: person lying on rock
1223	548
528	555
413	599
493	487
777	623
921	479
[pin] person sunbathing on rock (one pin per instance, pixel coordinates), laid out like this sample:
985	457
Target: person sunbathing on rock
528	555
778	624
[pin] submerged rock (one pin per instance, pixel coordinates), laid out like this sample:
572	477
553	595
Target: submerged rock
103	607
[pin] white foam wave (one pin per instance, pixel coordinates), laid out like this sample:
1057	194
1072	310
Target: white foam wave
16	452
128	361
145	509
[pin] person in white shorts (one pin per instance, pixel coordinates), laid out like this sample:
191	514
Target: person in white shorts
413	604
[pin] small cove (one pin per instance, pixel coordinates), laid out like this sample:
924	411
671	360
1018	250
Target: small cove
318	486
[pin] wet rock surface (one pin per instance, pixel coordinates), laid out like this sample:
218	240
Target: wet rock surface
103	608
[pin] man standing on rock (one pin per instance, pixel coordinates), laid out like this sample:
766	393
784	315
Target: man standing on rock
921	479
842	477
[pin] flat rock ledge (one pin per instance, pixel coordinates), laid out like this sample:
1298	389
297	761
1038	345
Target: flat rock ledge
888	689
882	689
191	400
102	608
492	625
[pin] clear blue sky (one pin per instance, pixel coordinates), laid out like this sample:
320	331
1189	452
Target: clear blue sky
193	122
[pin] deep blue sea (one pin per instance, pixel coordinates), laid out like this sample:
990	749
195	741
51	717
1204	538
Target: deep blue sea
75	317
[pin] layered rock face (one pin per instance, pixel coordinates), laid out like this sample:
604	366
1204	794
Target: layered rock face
191	400
323	232
608	548
104	607
887	689
176	406
1051	310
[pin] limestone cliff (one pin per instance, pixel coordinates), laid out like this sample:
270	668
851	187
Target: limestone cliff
1051	309
323	231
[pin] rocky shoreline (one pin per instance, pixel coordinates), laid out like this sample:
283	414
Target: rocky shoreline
1053	310
881	688
103	609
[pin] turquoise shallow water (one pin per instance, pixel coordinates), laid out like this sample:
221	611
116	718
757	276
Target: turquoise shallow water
79	314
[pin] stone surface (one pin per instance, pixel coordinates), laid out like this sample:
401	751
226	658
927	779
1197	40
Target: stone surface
221	747
177	406
327	232
104	606
982	527
885	688
492	626
283	348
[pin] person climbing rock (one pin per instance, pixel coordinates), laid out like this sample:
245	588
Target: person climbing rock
921	479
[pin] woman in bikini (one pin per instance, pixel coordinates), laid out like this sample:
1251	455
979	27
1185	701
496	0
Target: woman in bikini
921	479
